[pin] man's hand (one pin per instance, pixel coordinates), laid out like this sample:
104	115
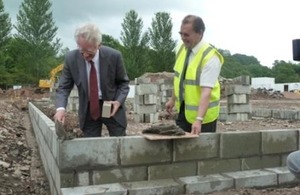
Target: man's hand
115	107
60	116
169	106
196	127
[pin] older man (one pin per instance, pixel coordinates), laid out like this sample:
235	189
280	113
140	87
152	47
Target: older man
99	74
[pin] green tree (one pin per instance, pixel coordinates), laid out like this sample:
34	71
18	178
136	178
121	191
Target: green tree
36	31
244	59
108	40
5	24
232	68
162	57
135	45
257	70
5	30
284	72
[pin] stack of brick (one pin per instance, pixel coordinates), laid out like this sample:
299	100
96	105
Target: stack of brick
152	91
238	105
73	100
145	101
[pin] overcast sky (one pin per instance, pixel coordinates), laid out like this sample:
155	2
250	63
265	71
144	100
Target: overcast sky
261	28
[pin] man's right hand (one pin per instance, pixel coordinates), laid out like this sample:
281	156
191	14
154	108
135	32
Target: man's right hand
169	106
60	116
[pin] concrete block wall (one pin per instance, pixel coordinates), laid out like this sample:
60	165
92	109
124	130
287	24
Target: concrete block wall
150	98
276	113
238	104
134	161
49	146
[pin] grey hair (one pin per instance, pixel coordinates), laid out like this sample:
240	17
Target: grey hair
90	32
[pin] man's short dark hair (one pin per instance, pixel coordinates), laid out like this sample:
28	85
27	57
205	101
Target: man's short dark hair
198	24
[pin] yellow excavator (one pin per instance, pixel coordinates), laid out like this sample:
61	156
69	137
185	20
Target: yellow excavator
49	84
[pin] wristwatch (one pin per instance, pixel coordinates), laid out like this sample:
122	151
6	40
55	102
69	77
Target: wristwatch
198	118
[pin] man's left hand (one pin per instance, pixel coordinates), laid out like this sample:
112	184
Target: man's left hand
115	107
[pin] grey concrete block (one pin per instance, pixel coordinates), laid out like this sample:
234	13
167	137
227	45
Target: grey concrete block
89	152
154	187
223	109
68	180
207	167
222	117
279	141
284	175
142	80
283	159
252	179
238	117
259	162
237	89
139	118
150	99
285	114
143	89
137	150
83	178
202	147
238	108
242	80
151	118
165	87
119	175
105	189
138	99
238	99
261	112
206	184
174	170
145	109
239	144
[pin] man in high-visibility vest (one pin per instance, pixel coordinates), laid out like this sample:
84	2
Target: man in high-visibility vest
196	94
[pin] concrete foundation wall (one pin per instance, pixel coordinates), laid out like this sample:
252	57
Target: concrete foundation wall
132	164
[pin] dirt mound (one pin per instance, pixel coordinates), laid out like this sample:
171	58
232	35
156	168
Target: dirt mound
291	95
27	93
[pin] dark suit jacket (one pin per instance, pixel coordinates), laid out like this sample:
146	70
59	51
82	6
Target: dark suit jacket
113	80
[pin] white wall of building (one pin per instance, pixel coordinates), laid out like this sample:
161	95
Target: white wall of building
263	82
269	83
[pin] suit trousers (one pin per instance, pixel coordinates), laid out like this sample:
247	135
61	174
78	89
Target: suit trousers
186	126
293	163
93	128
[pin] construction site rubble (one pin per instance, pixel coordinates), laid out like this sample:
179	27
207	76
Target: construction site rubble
265	93
18	160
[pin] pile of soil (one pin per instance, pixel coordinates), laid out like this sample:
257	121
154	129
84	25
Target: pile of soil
21	170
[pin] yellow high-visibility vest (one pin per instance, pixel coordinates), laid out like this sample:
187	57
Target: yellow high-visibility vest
191	88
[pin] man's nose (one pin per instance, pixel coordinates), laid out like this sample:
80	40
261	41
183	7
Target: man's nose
85	55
